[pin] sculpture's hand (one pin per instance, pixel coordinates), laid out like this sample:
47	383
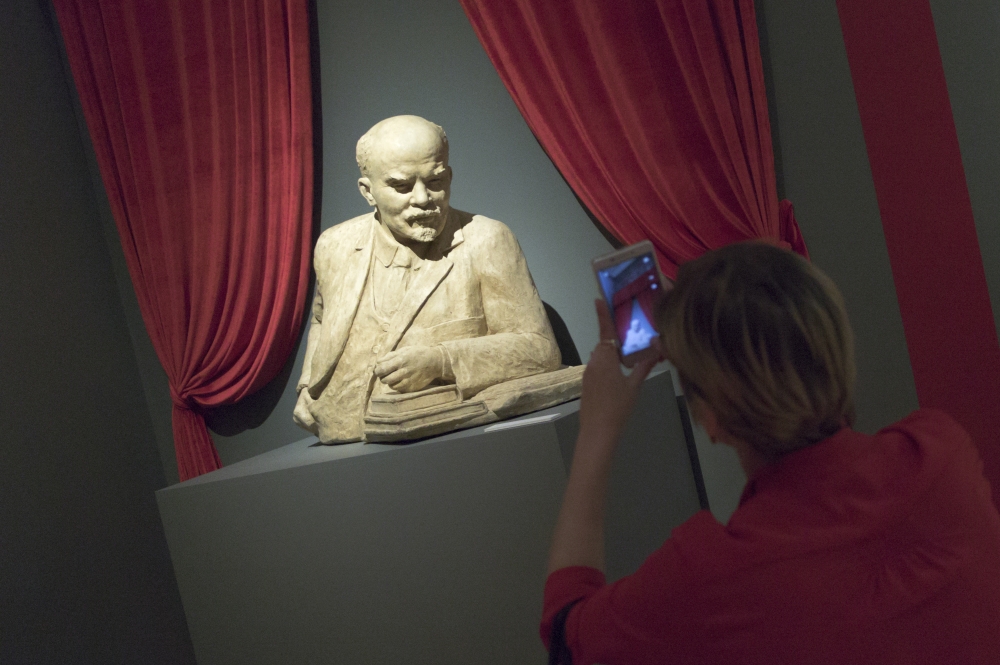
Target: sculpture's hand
411	368
301	415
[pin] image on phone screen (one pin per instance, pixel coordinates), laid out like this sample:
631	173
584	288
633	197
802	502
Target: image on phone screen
631	288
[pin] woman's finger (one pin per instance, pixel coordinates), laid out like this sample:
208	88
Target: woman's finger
604	323
640	372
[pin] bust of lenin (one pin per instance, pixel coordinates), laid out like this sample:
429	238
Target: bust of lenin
414	294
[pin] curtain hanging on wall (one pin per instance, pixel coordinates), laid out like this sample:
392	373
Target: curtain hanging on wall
200	116
655	113
927	216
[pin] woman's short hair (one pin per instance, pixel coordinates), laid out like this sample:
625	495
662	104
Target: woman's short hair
761	335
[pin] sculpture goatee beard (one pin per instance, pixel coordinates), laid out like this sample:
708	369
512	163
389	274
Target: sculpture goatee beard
426	225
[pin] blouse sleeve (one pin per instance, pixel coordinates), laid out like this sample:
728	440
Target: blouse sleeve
640	615
565	586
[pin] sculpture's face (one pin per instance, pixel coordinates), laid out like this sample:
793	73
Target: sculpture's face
409	183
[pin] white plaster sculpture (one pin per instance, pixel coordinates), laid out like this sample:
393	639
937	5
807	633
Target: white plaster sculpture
636	338
425	318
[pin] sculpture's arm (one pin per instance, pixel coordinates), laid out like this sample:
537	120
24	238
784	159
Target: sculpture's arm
315	322
520	340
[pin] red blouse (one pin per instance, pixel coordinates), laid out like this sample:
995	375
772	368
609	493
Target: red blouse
860	549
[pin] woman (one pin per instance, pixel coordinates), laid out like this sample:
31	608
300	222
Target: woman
845	548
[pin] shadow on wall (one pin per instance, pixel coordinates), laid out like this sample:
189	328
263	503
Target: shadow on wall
253	410
570	356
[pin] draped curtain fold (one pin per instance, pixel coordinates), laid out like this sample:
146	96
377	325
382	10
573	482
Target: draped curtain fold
200	116
655	113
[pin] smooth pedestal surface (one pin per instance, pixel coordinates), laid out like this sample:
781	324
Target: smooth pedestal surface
432	552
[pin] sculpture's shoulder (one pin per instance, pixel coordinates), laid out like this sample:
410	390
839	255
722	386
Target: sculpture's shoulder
344	237
483	234
344	234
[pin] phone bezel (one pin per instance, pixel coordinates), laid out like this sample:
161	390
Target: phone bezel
614	258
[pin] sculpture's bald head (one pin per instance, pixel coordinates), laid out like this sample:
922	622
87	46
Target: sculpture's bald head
401	133
405	175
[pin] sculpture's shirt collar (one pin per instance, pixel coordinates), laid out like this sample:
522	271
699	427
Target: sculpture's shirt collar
391	253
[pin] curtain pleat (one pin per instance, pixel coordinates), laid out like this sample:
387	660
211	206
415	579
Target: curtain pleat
200	116
655	112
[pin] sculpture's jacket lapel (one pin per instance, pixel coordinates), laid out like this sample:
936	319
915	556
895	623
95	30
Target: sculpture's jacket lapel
342	306
420	289
431	275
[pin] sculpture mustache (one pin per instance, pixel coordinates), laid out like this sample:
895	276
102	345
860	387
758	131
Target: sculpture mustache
422	216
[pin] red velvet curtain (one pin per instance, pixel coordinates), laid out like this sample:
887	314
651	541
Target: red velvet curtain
200	116
623	319
654	111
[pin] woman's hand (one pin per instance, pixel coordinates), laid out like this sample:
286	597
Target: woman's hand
609	395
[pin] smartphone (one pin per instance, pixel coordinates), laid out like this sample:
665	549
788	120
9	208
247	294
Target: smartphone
631	283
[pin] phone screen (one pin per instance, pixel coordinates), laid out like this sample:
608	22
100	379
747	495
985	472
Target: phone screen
631	287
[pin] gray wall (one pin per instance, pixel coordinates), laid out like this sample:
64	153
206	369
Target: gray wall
827	177
84	572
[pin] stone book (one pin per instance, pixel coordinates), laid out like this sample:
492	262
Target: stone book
392	404
421	414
